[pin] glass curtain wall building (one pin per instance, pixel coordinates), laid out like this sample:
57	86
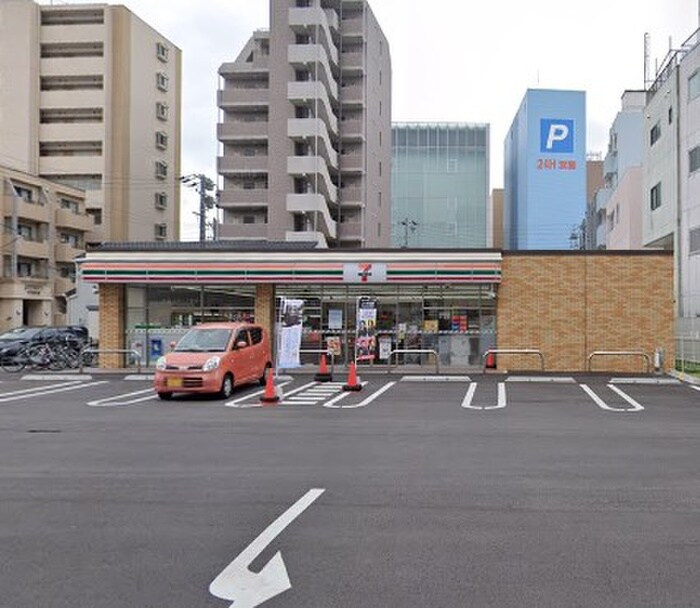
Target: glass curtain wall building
440	185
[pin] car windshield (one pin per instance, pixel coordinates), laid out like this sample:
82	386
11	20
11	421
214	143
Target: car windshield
20	333
204	340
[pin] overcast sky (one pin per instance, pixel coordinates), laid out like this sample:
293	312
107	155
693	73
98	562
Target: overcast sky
452	60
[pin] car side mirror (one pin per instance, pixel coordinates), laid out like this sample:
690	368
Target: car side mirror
241	344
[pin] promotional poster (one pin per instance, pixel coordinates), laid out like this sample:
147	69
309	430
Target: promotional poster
292	314
366	343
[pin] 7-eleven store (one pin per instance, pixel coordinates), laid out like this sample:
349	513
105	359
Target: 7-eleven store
456	302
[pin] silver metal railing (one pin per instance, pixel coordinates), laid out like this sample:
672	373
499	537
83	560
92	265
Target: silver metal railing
110	351
416	351
619	353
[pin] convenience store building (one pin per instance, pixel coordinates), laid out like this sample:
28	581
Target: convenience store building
460	303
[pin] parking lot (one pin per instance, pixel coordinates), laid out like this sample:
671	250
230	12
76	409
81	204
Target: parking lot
469	490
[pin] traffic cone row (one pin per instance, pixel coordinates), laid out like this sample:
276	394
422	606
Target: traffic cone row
353	383
323	375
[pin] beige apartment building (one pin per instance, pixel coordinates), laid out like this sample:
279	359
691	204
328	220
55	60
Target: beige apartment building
305	128
45	226
90	99
94	104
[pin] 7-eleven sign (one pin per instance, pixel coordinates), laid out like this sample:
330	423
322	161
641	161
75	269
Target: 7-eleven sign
364	272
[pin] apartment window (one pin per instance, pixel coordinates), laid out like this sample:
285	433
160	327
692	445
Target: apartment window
71	115
303	39
161	169
303	3
162	81
96	215
670	115
302	75
380	168
26	232
72	16
655	133
694	159
160	231
161	110
694	85
248	184
72	49
694	240
248	151
655	197
69	239
72	83
161	52
24	193
248	219
161	199
161	140
73	206
24	269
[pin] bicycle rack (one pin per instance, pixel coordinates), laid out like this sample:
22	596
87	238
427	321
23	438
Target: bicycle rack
619	353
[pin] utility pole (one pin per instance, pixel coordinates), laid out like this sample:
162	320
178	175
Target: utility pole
202	185
407	225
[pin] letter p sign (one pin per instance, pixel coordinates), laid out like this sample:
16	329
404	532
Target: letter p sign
556	136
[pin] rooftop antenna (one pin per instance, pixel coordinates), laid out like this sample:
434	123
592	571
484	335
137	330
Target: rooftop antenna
647	42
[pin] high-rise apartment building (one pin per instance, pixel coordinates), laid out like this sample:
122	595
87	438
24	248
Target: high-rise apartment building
90	98
440	185
545	171
305	131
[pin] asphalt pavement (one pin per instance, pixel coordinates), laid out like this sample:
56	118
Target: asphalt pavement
480	491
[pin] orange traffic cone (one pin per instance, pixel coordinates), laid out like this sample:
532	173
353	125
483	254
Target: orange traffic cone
323	375
270	395
353	382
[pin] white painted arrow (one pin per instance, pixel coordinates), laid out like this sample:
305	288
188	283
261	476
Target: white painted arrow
248	589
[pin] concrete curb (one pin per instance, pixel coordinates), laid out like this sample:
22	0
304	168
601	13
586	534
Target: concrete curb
690	379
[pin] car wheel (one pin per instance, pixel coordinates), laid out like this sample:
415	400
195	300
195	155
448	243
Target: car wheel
263	378
165	396
226	387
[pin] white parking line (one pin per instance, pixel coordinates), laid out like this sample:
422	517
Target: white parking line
695	388
38	388
112	401
239	402
35	393
363	403
636	407
469	397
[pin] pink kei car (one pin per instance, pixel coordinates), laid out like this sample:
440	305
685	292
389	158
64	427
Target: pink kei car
213	358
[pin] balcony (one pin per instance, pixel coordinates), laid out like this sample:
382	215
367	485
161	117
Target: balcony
307	236
32	249
243	98
352	130
71	132
67	219
245	70
72	99
352	62
308	129
73	165
303	20
353	28
352	163
242	231
313	166
72	66
240	131
62	285
351	196
29	211
83	32
66	253
238	164
352	95
235	198
350	231
306	92
313	203
305	56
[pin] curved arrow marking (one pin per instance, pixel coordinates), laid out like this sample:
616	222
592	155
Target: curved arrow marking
248	589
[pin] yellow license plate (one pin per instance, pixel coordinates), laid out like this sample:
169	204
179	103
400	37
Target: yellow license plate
173	382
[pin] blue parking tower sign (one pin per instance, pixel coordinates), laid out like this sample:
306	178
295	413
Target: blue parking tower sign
156	347
557	135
